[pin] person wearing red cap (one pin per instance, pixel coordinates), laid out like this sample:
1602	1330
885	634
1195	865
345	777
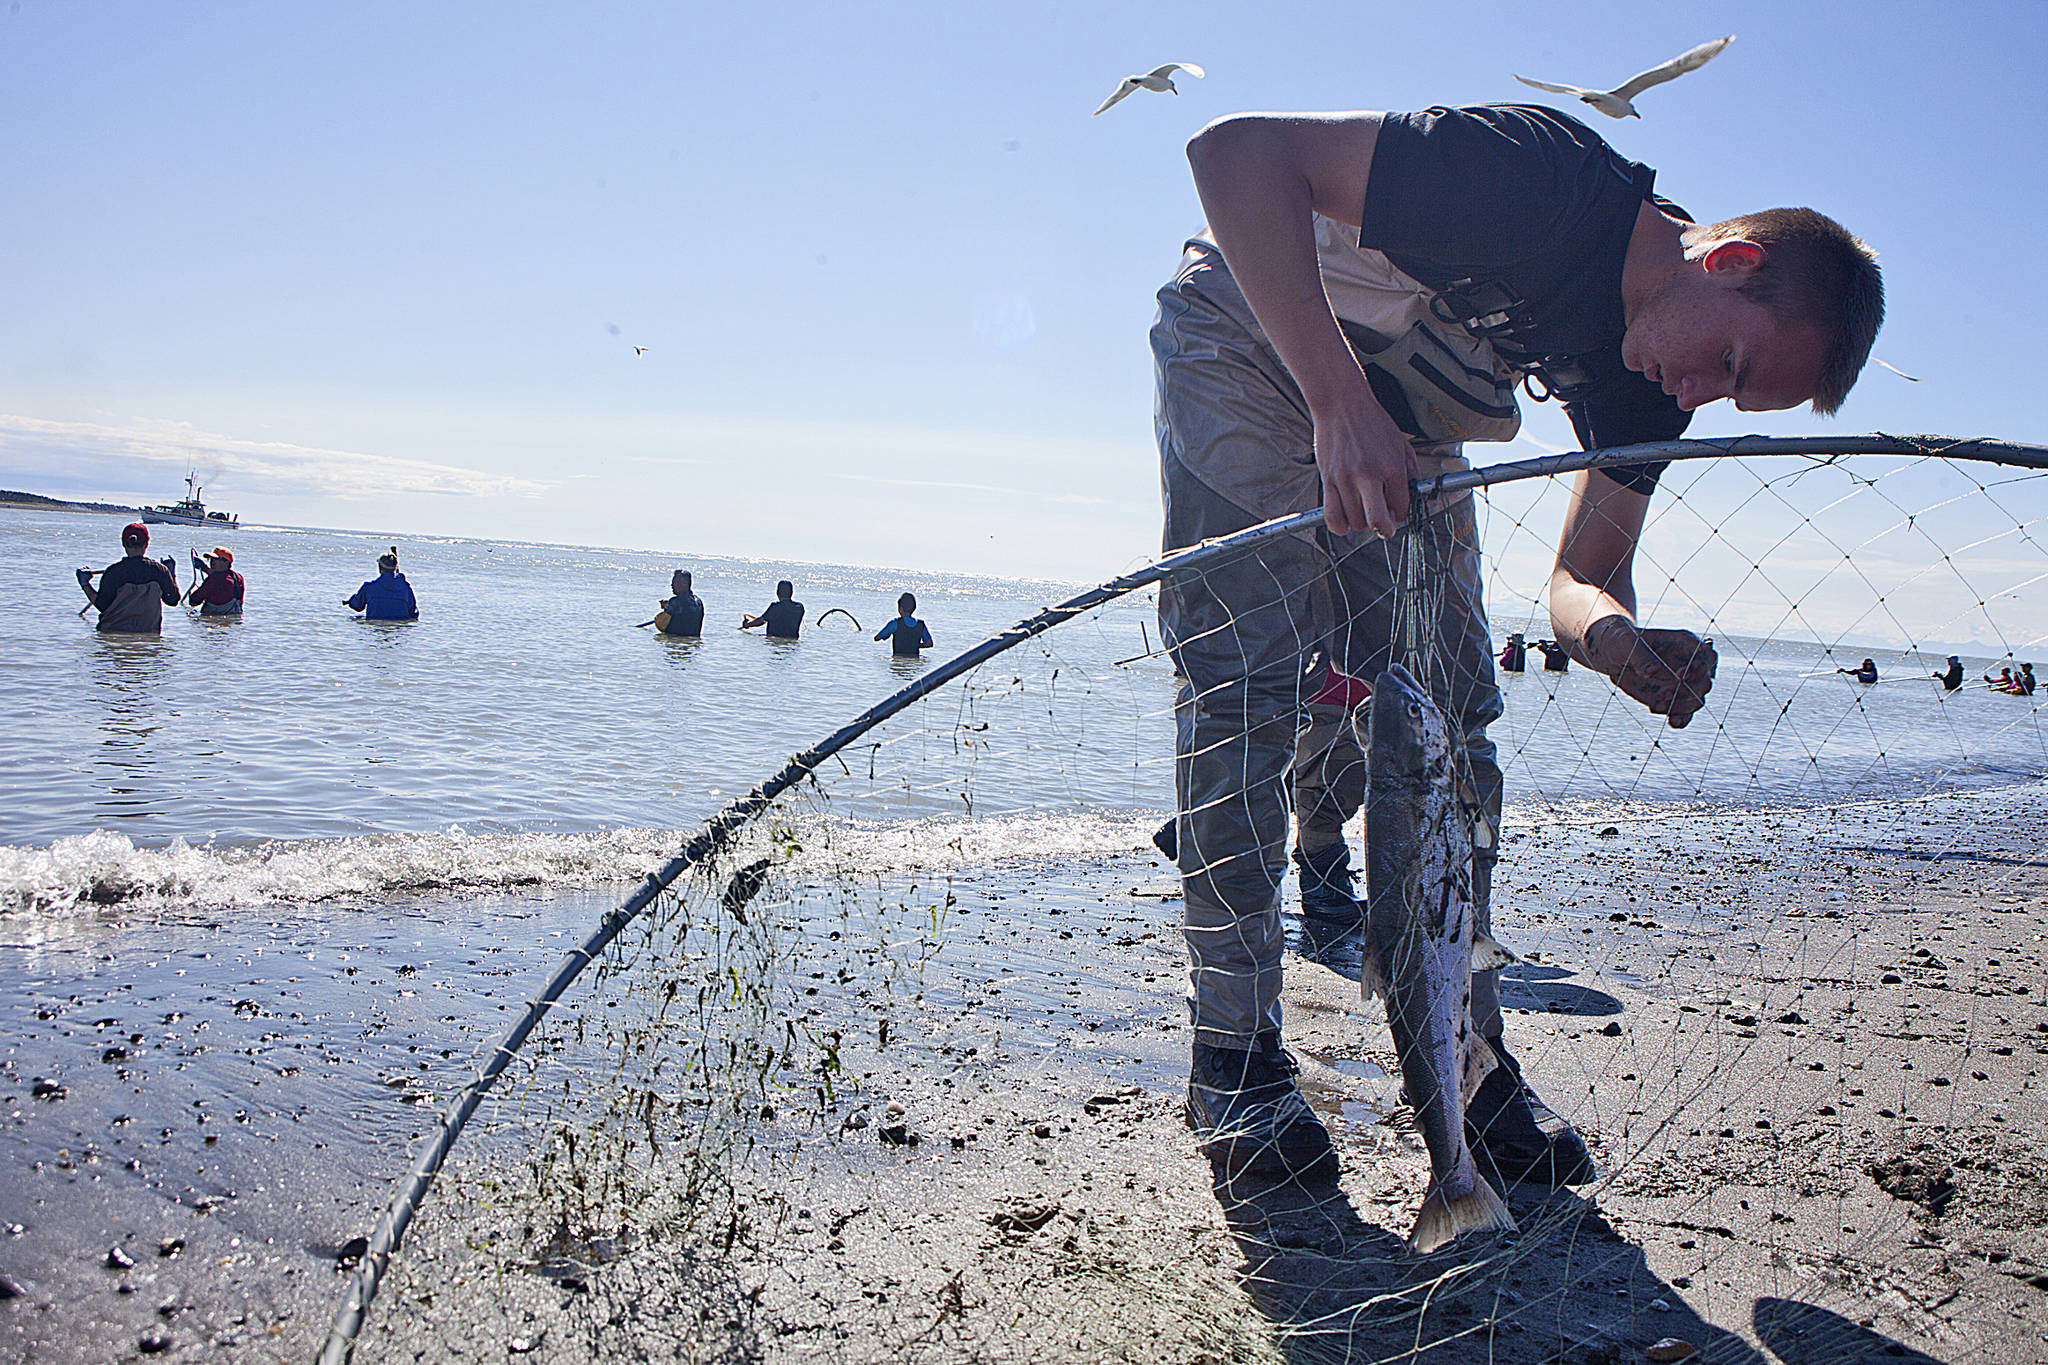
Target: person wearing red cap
134	590
221	593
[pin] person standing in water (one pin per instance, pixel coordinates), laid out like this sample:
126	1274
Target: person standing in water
222	591
1951	677
387	597
784	617
685	609
906	634
1865	672
133	590
1514	655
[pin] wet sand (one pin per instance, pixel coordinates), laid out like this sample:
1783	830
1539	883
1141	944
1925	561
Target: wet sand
1808	1052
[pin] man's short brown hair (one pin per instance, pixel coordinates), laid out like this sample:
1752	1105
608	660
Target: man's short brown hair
1816	273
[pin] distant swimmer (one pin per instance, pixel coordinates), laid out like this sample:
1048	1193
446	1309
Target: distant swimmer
133	590
1952	676
682	614
220	594
906	634
2002	683
1556	659
1514	655
2023	685
783	617
387	597
1865	672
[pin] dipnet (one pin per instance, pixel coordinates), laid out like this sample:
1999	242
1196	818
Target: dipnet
887	1062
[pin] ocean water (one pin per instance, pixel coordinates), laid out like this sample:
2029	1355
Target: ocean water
523	733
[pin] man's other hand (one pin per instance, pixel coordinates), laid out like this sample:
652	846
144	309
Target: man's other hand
1366	463
1669	671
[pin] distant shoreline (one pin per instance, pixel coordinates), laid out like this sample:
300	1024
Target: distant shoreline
37	502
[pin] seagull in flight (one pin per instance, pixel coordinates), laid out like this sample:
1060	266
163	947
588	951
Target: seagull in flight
1615	103
639	350
1159	78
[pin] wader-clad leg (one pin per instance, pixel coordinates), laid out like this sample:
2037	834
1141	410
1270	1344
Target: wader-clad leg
1237	637
1236	447
1329	776
1235	450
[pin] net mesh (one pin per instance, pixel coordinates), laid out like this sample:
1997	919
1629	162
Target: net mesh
900	1074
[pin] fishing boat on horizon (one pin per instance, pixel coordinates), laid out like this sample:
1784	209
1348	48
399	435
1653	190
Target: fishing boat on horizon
189	511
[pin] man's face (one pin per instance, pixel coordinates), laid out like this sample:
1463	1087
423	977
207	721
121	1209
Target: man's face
1700	339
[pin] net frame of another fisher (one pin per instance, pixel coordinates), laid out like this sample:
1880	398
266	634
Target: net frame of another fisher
646	1111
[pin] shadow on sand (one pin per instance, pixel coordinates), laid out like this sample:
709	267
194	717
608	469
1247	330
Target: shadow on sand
1565	1288
1802	1334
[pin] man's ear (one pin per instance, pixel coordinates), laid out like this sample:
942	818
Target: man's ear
1738	254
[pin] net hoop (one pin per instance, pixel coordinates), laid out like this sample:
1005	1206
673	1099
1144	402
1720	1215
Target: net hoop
718	831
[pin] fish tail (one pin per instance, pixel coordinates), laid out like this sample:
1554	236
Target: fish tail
1487	955
1372	977
1445	1217
1480	1060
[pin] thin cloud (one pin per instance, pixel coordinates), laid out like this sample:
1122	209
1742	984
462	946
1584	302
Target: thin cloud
248	466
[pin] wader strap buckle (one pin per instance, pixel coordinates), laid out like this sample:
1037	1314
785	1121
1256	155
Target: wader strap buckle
1485	308
1563	377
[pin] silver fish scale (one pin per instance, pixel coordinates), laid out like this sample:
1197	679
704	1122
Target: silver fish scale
1418	616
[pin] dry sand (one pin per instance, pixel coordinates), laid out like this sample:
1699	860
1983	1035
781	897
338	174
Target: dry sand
1808	1052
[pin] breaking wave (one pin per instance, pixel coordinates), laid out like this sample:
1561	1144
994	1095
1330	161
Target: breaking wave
105	869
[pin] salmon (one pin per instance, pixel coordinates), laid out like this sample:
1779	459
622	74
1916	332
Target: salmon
1421	949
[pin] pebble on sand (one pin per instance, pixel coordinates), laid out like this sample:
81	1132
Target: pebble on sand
1670	1350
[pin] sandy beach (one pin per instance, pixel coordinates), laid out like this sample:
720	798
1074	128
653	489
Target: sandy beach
1807	1050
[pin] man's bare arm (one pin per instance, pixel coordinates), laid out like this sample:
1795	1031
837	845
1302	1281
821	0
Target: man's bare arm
1261	178
1593	605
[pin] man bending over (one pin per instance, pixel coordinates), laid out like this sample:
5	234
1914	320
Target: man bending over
1369	291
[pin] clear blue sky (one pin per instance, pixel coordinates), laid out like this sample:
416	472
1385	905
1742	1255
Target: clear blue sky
385	265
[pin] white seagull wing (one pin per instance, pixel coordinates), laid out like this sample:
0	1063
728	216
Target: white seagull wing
1673	69
1121	92
1172	67
1553	89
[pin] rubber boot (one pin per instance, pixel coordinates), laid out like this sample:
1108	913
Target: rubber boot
1326	885
1249	1117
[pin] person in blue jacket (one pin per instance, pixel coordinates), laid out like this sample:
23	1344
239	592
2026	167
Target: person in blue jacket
906	634
387	597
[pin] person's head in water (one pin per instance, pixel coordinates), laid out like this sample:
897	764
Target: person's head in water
135	538
785	590
388	561
906	605
679	582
